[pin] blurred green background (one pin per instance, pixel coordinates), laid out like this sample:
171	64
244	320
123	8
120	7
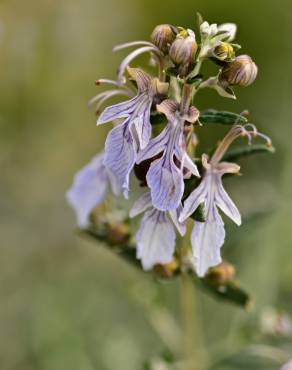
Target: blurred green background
65	303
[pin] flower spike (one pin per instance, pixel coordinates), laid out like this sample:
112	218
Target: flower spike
155	137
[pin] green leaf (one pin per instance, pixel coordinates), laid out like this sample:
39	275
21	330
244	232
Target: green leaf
230	292
157	119
221	117
199	214
200	19
171	71
192	183
245	151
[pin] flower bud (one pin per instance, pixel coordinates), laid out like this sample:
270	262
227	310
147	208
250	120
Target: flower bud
221	274
183	50
241	72
224	51
162	36
167	270
118	234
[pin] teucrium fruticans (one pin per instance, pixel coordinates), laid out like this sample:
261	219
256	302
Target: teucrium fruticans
154	138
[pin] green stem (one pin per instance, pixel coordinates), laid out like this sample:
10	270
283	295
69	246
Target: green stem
193	351
188	323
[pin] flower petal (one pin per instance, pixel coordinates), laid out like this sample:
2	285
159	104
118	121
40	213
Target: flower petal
190	165
142	120
141	204
121	110
197	197
155	146
166	183
224	202
89	189
142	79
169	108
192	115
230	29
174	214
227	167
120	155
207	239
155	239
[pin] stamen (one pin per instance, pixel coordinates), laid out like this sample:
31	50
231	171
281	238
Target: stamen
110	95
97	97
103	96
255	133
248	130
106	81
133	55
132	43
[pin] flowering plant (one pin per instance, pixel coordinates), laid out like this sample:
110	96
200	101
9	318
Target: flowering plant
154	140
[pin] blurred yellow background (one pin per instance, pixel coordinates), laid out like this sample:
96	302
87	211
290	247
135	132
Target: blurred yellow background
65	303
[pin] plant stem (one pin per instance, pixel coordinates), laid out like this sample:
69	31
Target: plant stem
186	98
193	351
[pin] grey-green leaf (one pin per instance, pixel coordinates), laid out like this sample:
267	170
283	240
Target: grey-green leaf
245	151
230	292
221	117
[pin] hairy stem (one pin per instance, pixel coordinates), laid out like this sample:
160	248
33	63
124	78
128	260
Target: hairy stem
186	98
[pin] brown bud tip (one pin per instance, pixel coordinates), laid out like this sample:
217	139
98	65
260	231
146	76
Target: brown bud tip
241	72
118	234
183	50
167	270
97	82
221	274
162	36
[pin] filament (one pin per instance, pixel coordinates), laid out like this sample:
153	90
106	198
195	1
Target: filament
132	56
248	130
132	43
103	96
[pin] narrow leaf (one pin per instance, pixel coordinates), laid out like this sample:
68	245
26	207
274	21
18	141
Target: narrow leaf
199	214
245	151
221	117
157	119
229	292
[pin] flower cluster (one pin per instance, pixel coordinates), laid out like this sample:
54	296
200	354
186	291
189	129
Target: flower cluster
153	138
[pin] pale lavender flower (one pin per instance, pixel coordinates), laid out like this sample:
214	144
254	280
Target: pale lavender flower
124	140
156	236
208	237
89	189
165	176
287	366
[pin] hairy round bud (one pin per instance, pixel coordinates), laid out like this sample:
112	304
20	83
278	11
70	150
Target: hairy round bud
183	50
118	234
241	72
167	270
221	274
224	51
162	36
